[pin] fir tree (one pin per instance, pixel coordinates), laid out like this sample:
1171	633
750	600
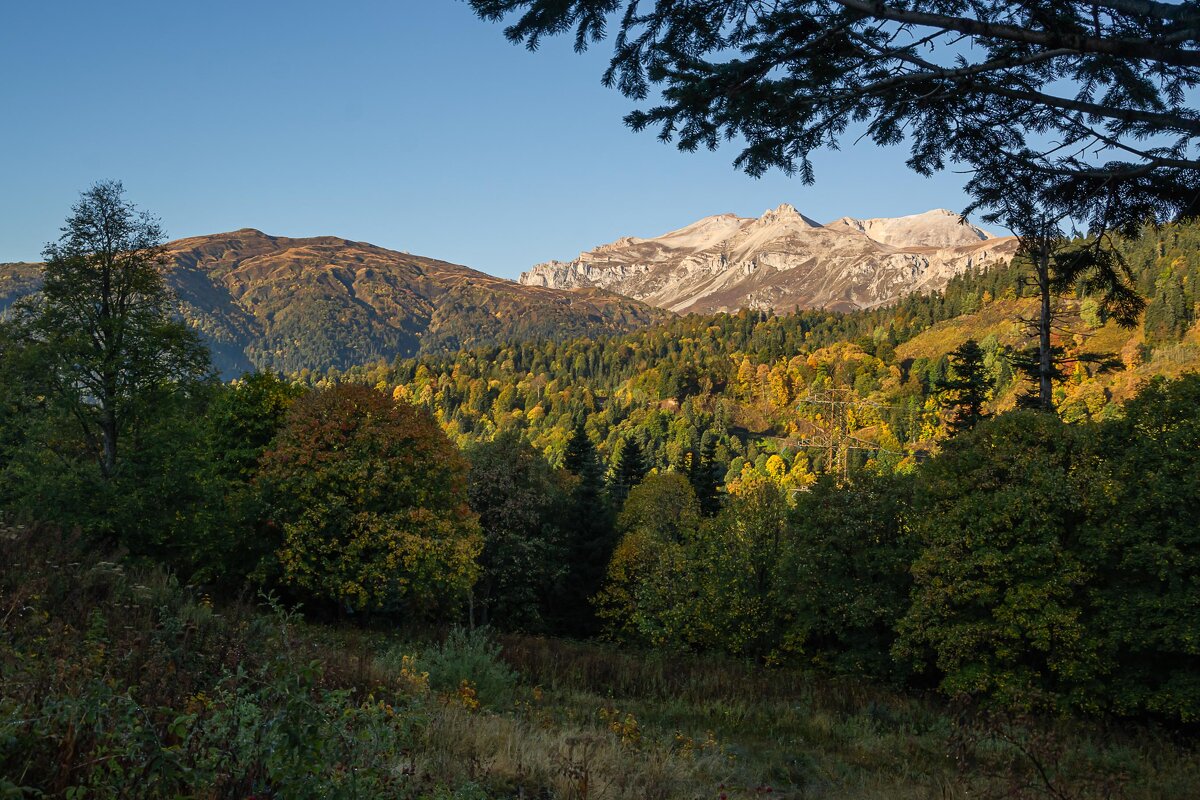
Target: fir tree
965	387
706	475
589	536
628	470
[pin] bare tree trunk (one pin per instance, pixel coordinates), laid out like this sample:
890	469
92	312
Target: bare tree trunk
1044	324
108	434
108	422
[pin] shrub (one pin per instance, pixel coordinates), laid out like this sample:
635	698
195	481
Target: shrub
471	656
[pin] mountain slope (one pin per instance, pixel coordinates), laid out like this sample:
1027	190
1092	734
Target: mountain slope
292	304
782	260
16	280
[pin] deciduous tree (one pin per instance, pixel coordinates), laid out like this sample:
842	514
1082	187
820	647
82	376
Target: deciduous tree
371	500
1001	582
106	341
1145	544
647	596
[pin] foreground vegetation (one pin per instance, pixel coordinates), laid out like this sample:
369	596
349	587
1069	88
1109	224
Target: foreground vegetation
119	682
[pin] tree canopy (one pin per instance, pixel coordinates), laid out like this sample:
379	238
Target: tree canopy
101	333
1089	96
519	499
371	500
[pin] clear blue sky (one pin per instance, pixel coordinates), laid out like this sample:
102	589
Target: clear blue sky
407	123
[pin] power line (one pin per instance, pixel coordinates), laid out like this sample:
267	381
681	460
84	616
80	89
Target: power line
832	428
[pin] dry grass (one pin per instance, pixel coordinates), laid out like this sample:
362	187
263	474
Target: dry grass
585	722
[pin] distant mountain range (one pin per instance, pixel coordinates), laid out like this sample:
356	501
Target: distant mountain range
782	260
271	302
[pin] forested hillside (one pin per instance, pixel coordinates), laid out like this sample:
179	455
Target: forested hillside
740	388
888	508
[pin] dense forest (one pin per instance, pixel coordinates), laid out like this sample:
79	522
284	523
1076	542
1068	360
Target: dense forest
800	499
748	386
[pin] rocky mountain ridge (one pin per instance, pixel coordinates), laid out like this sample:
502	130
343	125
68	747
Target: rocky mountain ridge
782	260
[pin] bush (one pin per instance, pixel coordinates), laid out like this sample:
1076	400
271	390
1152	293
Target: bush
471	656
117	682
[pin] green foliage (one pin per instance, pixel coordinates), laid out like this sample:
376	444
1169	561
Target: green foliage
965	389
628	469
471	656
647	584
520	501
1170	312
706	475
1057	561
1000	594
226	537
1145	544
589	540
1031	564
738	574
101	332
679	581
750	371
370	499
117	683
52	475
848	574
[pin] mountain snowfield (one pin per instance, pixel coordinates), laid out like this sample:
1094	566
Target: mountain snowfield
782	260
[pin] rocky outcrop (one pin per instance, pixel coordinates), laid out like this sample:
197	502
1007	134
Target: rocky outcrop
782	260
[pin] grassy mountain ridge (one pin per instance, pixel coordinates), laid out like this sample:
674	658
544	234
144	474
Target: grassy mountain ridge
272	302
313	303
16	280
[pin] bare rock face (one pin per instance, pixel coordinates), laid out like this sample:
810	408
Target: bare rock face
937	228
782	260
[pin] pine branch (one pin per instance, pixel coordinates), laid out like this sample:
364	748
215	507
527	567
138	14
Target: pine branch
1120	48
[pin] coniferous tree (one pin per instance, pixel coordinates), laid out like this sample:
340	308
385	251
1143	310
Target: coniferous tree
1167	317
998	86
580	456
589	535
965	387
706	475
628	469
